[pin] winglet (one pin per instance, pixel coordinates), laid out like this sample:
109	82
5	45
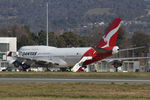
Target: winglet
9	54
111	35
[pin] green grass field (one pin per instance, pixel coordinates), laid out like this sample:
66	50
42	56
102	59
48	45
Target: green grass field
73	91
70	74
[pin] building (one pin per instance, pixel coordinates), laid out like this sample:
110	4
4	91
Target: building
6	44
131	66
103	66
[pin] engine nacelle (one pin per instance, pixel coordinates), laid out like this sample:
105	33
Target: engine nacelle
23	66
115	50
17	63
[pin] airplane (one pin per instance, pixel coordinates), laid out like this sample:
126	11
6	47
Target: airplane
63	57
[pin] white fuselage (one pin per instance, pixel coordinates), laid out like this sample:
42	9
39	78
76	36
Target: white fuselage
60	56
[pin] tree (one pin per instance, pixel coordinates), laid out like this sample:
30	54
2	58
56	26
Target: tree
95	36
60	41
52	39
71	39
23	34
83	41
123	41
23	41
141	39
42	38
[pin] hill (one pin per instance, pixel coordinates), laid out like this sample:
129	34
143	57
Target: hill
75	15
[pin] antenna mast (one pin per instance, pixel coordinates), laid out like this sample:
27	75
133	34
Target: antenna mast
47	26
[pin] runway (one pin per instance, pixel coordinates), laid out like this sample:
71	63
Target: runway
77	80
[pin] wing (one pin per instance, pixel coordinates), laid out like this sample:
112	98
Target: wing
102	50
132	48
126	58
51	61
39	60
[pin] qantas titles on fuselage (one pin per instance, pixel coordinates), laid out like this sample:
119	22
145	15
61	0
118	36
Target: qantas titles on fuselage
29	53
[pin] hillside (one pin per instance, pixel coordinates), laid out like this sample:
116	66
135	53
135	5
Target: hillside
75	15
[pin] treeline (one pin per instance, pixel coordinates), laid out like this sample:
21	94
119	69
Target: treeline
71	39
26	37
67	39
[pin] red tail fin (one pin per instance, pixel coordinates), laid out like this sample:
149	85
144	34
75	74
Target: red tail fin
110	37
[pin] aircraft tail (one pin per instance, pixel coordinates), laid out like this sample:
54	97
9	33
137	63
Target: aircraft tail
110	37
107	47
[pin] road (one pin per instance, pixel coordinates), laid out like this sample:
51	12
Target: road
77	80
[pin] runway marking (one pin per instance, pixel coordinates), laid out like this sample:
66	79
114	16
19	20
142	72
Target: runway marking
146	81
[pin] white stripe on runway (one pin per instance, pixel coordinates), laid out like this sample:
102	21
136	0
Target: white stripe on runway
145	81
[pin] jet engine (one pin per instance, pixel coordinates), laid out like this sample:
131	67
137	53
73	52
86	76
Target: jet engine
22	65
25	66
17	63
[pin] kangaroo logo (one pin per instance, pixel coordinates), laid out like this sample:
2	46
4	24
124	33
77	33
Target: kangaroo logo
109	35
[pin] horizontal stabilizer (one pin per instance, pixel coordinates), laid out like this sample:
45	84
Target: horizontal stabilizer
102	50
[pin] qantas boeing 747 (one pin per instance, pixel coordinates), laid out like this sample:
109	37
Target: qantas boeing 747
76	57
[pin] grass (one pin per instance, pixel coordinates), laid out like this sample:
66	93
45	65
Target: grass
73	91
70	74
51	98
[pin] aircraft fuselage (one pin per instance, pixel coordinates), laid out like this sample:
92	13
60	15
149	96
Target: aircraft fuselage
65	56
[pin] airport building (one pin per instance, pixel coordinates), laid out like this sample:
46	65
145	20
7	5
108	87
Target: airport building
147	69
6	44
103	66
